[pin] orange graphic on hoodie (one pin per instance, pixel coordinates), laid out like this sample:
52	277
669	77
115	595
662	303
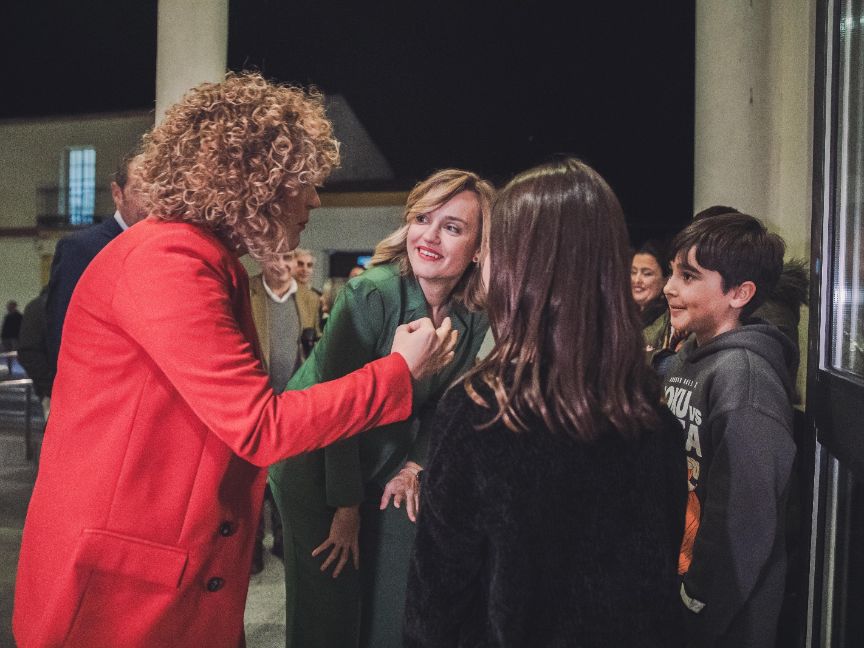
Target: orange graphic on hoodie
691	520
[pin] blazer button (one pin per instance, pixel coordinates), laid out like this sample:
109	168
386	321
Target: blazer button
226	529
215	584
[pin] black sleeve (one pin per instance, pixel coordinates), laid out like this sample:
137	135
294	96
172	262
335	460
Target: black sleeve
66	269
428	422
442	581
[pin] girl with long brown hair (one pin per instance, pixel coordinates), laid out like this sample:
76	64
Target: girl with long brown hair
553	498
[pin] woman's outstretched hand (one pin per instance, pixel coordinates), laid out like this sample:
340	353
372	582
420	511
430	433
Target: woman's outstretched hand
404	486
426	349
344	540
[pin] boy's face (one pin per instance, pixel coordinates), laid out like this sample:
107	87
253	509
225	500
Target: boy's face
697	303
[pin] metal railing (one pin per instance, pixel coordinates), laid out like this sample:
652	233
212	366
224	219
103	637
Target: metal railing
10	384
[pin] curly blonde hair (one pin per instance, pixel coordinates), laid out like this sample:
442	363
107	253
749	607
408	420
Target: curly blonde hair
426	196
227	154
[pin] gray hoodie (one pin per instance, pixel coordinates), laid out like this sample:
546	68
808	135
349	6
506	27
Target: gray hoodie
733	398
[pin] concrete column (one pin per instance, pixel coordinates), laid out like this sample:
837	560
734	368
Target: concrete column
731	147
792	94
754	111
754	117
192	47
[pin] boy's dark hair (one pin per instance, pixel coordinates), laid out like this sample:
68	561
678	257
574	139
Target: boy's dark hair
738	247
714	210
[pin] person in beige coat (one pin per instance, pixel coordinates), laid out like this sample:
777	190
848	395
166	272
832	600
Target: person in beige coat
281	285
287	317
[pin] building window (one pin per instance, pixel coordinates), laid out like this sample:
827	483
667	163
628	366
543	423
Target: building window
78	184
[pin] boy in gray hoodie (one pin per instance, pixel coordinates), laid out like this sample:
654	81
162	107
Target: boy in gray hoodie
730	387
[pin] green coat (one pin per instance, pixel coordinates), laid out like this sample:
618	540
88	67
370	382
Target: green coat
360	329
322	611
657	333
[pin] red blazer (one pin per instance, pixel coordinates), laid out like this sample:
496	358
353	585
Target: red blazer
141	524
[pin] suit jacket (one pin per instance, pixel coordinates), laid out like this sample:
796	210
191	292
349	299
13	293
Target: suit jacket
142	522
361	328
308	307
71	257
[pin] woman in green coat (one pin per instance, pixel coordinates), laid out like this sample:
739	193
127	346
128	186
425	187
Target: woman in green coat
649	271
335	502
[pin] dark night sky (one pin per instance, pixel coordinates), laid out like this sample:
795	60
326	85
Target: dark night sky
494	87
62	57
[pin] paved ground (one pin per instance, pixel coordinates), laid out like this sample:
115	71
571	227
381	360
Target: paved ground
265	606
17	476
265	612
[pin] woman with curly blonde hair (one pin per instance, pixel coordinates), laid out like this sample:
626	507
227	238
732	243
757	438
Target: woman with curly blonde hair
236	173
335	501
141	526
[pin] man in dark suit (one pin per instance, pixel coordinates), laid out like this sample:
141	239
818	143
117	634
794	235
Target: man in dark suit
75	252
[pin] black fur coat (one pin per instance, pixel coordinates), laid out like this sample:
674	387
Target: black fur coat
534	539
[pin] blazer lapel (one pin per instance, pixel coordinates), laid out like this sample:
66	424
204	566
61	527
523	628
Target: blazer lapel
260	317
415	302
307	308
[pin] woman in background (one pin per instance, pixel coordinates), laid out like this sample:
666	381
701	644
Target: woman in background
553	500
334	502
649	271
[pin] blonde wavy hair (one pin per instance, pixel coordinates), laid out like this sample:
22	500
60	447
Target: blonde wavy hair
227	154
426	196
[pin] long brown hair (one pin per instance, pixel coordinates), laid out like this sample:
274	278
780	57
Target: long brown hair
569	347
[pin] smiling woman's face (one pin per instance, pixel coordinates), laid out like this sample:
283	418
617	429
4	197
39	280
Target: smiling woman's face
442	243
646	279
